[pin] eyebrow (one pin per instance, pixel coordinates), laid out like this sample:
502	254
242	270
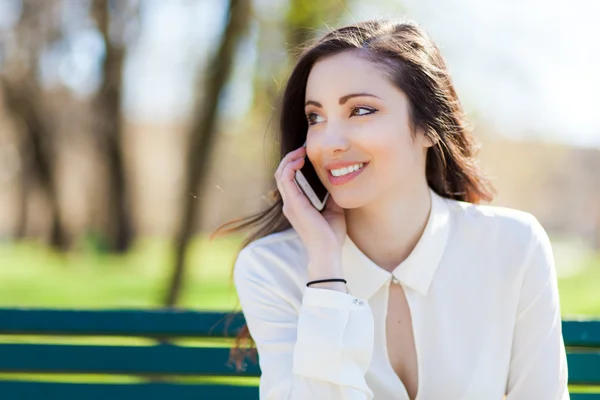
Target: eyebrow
342	100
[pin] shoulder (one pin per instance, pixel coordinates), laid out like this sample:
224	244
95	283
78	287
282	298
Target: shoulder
277	257
496	219
500	230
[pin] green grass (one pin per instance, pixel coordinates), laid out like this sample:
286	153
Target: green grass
33	276
579	279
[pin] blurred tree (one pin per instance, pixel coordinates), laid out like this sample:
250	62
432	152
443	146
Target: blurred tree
304	19
112	20
24	100
47	29
210	83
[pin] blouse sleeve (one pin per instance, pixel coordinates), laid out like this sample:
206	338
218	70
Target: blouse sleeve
319	349
538	367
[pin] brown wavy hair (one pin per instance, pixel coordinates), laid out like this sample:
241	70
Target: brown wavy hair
413	63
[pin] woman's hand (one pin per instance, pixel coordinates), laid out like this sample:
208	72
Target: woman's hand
323	233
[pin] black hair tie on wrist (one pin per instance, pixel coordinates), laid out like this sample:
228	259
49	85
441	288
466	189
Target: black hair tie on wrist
326	280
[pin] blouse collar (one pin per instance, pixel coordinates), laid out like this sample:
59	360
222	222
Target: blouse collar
416	271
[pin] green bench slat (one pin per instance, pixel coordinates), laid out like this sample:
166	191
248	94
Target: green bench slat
584	368
164	359
168	359
29	390
581	333
174	323
145	323
585	396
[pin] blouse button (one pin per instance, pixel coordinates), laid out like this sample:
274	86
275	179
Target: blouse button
358	302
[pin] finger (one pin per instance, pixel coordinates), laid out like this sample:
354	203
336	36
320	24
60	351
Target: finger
291	166
291	156
292	192
288	175
280	189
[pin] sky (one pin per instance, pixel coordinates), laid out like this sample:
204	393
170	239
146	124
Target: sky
524	68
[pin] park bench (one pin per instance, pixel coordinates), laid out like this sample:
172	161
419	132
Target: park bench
165	367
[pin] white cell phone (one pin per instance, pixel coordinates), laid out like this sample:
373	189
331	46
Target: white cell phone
309	183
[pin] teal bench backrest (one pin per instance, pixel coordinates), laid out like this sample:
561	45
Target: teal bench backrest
164	367
582	339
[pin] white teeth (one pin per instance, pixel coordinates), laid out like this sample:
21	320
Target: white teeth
346	170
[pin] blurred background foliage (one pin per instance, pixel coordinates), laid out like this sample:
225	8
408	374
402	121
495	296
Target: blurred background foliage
131	129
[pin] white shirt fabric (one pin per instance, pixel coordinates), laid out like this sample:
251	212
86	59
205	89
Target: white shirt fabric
482	291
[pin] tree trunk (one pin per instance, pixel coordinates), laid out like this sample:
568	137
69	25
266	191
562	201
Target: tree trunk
202	136
22	101
20	227
118	227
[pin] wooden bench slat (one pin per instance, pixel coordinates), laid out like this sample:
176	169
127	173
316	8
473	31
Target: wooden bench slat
144	323
31	390
581	333
173	323
176	360
162	359
585	396
584	368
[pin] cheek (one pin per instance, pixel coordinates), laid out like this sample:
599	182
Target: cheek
395	154
314	145
312	152
389	162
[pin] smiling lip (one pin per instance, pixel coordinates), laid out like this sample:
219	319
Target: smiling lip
340	180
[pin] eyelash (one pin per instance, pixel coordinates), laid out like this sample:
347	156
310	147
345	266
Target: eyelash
370	109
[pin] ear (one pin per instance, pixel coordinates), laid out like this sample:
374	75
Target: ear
429	140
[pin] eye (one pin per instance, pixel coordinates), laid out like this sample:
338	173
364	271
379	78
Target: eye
360	111
311	118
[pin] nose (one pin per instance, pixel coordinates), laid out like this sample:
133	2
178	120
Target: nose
334	140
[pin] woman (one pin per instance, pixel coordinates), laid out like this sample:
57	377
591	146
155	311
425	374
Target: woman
434	296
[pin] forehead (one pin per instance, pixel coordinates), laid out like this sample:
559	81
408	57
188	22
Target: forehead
345	73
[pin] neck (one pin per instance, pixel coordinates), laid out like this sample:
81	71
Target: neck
387	230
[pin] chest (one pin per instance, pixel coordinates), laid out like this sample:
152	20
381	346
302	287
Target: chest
400	340
441	345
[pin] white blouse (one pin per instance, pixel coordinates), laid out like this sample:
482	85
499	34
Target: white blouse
482	292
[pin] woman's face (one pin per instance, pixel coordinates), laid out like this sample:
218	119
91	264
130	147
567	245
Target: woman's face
356	115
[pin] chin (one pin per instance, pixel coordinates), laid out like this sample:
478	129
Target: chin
349	201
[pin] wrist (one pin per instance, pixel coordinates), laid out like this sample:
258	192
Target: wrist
323	251
325	261
329	280
338	286
325	268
